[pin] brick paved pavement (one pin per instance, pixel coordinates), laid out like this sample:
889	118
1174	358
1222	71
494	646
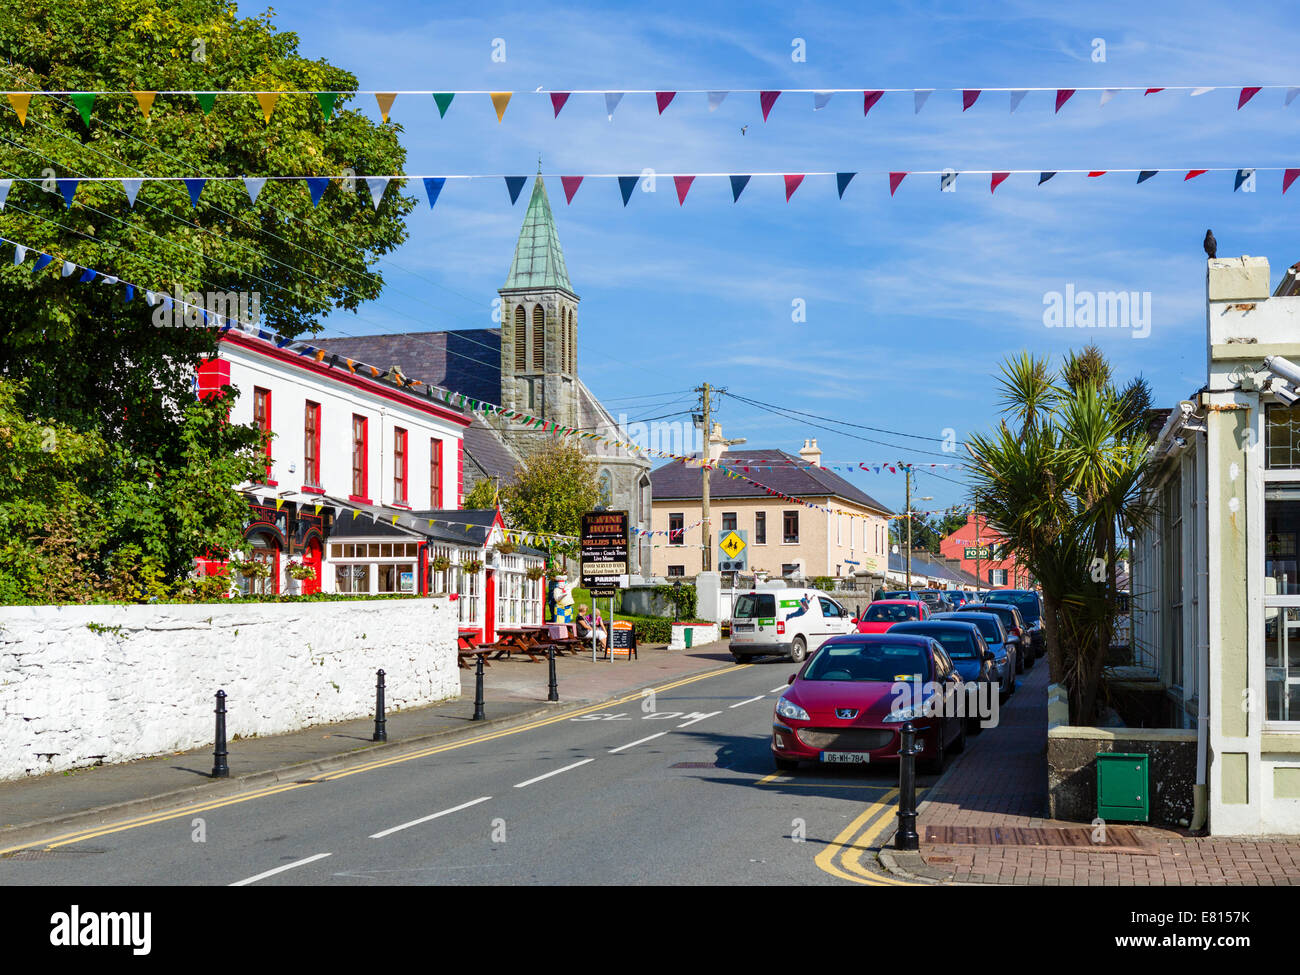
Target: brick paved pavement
1001	781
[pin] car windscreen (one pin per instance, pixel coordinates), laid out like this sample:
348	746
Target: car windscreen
1008	613
1026	602
878	613
869	662
956	641
988	628
755	606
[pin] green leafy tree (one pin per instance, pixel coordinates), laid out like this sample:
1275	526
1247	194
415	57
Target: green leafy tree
482	496
553	489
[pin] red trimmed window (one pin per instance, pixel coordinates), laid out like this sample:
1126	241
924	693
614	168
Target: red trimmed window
435	474
359	456
399	466
311	444
262	420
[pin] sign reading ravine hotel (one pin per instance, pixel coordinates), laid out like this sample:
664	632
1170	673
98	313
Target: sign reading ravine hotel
603	549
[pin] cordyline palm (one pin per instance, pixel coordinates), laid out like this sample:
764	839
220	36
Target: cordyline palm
1058	488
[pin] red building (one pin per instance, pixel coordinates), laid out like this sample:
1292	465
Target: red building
993	571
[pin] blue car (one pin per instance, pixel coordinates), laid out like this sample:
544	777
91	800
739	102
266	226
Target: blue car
1005	649
966	647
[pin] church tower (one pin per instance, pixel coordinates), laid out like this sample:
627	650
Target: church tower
539	321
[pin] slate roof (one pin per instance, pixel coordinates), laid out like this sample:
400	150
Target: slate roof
489	452
777	469
539	259
925	564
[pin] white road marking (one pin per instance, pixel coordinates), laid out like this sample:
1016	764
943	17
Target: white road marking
425	819
271	873
566	768
699	718
750	701
639	741
781	688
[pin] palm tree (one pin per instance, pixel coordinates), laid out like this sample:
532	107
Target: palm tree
1059	485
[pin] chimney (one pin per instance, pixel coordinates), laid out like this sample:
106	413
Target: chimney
811	452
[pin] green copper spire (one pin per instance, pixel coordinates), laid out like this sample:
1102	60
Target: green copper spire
539	259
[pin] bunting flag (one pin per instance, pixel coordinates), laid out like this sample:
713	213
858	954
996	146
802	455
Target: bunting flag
325	99
20	102
1151	91
266	100
1288	178
715	99
68	187
792	182
500	99
558	98
612	98
1096	172
919	97
570	184
842	180
1017	97
869	99
1044	177
513	185
1246	95
738	184
443	100
253	186
1193	173
5	184
766	99
1201	91
995	180
42	263
1241	177
1108	94
377	184
1063	96
1146	174
317	185
432	187
1290	95
195	186
84	102
968	97
385	102
145	100
682	183
894	180
663	99
948	180
821	99
626	184
132	189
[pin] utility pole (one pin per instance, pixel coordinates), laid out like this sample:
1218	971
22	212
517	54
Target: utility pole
907	476
704	492
977	550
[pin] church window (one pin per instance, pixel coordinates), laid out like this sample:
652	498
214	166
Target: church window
539	338
564	343
606	489
521	338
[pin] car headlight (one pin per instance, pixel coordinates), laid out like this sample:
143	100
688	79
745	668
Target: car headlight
788	709
903	715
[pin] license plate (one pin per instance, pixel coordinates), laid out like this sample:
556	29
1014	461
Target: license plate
859	758
742	626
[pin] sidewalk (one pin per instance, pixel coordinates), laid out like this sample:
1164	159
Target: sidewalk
514	691
1002	782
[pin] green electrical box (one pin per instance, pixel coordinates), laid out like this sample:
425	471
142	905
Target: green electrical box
1123	791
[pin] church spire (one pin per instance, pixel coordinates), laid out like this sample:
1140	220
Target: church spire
539	259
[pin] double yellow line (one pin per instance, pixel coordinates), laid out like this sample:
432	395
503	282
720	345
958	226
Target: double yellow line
149	819
855	840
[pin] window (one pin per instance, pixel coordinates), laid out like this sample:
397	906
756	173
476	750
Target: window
311	444
997	577
676	522
789	569
677	570
830	609
1282	437
728	521
359	459
564	343
521	339
399	466
435	474
1281	587
352	579
790	527
262	420
396	577
539	338
606	485
839	531
760	528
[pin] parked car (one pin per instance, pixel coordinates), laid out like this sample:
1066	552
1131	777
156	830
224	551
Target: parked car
1030	605
1015	627
842	705
896	594
787	622
958	598
883	614
969	652
1004	649
936	599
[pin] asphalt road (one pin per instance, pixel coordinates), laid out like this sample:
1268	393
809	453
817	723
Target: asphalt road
674	789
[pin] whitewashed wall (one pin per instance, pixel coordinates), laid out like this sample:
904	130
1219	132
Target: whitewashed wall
147	685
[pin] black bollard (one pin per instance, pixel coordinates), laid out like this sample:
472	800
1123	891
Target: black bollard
381	725
553	691
906	838
220	769
479	715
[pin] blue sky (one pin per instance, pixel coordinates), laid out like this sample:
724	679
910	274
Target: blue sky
912	301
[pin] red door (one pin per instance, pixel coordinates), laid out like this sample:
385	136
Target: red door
312	559
490	607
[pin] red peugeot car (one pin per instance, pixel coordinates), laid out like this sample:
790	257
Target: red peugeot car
850	701
884	613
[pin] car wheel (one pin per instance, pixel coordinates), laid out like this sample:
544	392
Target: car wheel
798	649
785	764
740	658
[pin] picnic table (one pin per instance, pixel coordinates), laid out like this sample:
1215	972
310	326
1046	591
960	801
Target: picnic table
530	640
466	647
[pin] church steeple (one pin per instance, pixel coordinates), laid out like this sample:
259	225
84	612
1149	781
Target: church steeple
539	322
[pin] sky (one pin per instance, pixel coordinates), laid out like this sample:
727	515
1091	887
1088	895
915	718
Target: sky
910	303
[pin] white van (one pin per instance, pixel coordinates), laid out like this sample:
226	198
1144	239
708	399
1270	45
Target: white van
786	622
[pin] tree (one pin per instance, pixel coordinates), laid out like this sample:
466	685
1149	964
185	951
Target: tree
482	495
89	361
553	489
1059	483
928	530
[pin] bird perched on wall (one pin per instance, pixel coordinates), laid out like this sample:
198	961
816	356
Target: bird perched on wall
1211	245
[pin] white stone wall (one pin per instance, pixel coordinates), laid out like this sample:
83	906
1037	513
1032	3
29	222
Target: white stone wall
71	695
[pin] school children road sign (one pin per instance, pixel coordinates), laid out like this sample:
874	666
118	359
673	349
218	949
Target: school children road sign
733	544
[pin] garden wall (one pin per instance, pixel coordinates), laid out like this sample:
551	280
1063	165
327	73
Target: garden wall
81	685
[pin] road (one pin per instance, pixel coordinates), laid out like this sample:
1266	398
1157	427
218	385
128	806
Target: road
673	788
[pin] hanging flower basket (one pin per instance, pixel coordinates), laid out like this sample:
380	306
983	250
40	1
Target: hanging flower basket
441	563
252	569
535	572
473	567
507	548
301	571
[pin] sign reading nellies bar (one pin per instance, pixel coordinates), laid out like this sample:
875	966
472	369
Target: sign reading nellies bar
603	549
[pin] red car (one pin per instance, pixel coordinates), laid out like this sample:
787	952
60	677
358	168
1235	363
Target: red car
850	701
884	613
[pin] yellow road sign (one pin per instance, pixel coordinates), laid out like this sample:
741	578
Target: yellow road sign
732	545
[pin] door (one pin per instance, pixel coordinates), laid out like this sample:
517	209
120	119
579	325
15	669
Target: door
490	606
312	559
